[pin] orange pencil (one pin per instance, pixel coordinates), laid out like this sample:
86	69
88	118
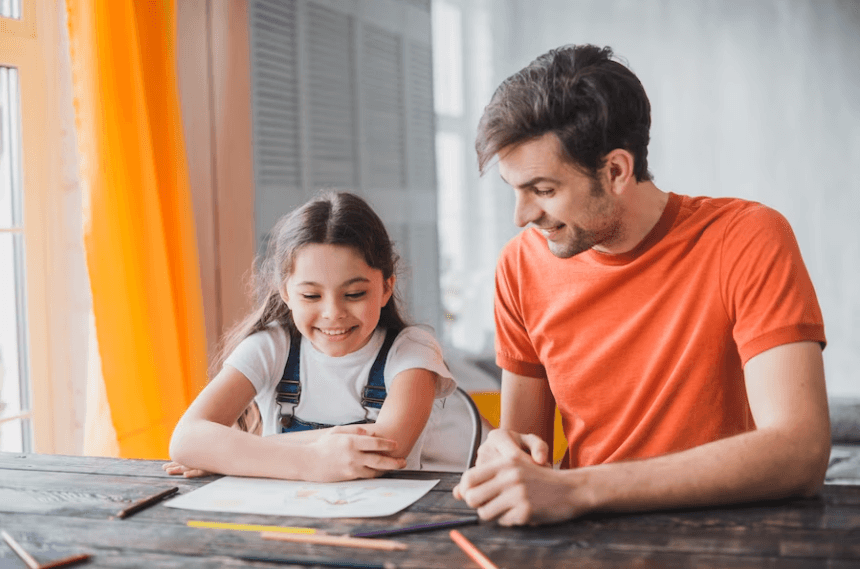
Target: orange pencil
341	540
469	548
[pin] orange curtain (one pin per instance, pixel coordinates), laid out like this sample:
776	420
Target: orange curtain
139	231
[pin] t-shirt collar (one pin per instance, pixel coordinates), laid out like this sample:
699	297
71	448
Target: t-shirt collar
660	230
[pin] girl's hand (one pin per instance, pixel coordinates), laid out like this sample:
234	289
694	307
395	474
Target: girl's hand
176	469
348	452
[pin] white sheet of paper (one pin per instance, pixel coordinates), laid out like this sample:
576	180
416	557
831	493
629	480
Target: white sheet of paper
353	499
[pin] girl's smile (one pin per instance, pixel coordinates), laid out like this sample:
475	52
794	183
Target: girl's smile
335	297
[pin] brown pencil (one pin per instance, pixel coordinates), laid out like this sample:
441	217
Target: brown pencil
65	561
146	502
339	540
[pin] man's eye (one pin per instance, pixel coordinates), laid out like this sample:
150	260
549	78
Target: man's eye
355	295
543	193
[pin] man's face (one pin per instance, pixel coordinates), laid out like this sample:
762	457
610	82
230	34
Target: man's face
572	210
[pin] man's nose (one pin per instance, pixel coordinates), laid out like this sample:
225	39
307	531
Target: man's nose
525	210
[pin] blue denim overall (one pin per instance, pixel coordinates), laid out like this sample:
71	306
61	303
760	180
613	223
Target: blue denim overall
289	389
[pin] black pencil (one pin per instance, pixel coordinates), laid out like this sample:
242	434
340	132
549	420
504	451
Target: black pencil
146	502
413	529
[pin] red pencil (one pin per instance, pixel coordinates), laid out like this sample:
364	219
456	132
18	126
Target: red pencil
469	548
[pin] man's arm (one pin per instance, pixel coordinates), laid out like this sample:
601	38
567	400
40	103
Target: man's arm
527	420
527	406
786	455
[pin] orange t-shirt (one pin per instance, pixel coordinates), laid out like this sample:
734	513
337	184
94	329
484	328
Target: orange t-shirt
644	351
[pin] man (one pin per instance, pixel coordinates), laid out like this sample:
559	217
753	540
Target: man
679	337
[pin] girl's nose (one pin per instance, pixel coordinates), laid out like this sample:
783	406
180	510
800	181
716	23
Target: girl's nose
333	309
525	210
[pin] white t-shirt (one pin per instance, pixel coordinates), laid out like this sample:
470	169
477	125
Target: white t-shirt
332	386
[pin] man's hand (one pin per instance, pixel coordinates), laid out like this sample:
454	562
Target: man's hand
509	485
348	452
505	443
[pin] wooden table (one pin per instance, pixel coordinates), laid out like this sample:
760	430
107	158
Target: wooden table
66	503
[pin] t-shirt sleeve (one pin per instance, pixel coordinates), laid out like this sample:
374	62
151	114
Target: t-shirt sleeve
415	348
514	349
261	358
767	290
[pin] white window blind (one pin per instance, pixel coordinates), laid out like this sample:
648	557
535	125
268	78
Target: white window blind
343	98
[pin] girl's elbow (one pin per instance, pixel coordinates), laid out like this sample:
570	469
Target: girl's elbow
176	450
179	447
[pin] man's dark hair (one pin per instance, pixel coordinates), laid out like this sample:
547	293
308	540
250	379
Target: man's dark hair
593	103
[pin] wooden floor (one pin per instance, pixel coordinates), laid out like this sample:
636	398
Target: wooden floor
65	504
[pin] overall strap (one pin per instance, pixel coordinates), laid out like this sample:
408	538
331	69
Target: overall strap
374	392
289	389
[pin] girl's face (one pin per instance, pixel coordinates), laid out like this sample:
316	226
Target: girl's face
335	297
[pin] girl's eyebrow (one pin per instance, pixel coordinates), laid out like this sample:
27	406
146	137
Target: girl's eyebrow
349	282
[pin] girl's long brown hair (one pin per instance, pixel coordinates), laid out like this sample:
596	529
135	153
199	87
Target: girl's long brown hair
332	218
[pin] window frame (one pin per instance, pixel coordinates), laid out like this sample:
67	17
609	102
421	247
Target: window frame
30	45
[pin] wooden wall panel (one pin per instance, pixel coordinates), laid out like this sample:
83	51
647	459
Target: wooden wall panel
234	178
194	69
214	81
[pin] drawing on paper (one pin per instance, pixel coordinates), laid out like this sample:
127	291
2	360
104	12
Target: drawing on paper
353	499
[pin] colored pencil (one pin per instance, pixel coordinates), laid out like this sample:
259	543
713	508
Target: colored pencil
414	529
20	551
33	564
146	502
317	562
473	552
251	527
339	540
65	561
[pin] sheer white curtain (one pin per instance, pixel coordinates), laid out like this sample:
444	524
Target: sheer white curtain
474	214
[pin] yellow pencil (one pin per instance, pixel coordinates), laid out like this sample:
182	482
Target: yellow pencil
252	527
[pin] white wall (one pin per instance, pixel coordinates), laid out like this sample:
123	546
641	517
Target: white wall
759	100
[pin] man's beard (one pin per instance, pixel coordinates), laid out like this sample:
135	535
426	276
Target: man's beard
578	239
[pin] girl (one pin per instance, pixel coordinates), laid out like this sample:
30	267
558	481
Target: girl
343	386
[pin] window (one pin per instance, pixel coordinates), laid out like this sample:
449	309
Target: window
14	381
468	224
10	9
28	153
15	416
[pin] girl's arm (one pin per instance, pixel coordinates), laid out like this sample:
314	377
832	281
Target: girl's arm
203	439
406	409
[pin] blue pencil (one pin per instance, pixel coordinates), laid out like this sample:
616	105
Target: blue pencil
421	527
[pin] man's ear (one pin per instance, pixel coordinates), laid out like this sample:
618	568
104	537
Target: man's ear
618	169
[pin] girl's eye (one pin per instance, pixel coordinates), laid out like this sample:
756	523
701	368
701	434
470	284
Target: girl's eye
355	295
310	296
